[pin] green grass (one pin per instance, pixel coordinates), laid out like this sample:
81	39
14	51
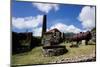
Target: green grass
36	57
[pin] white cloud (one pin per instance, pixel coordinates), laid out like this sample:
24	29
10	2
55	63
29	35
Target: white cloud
46	7
66	28
37	31
27	22
87	17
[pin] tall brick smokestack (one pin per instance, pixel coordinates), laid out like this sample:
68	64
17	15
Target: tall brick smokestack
44	25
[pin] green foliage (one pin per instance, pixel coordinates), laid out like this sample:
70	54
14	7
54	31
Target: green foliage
94	29
69	34
36	41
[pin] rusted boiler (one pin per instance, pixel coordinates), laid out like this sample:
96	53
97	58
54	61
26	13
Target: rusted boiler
81	36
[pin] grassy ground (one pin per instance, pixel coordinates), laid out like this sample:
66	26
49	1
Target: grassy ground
36	57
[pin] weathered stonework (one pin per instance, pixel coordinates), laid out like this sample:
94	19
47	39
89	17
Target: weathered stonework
54	50
51	40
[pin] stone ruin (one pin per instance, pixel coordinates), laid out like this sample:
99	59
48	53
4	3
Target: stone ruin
54	50
51	40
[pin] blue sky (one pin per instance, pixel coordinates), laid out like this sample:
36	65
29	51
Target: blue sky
61	14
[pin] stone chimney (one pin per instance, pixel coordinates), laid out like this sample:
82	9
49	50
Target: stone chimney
44	25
